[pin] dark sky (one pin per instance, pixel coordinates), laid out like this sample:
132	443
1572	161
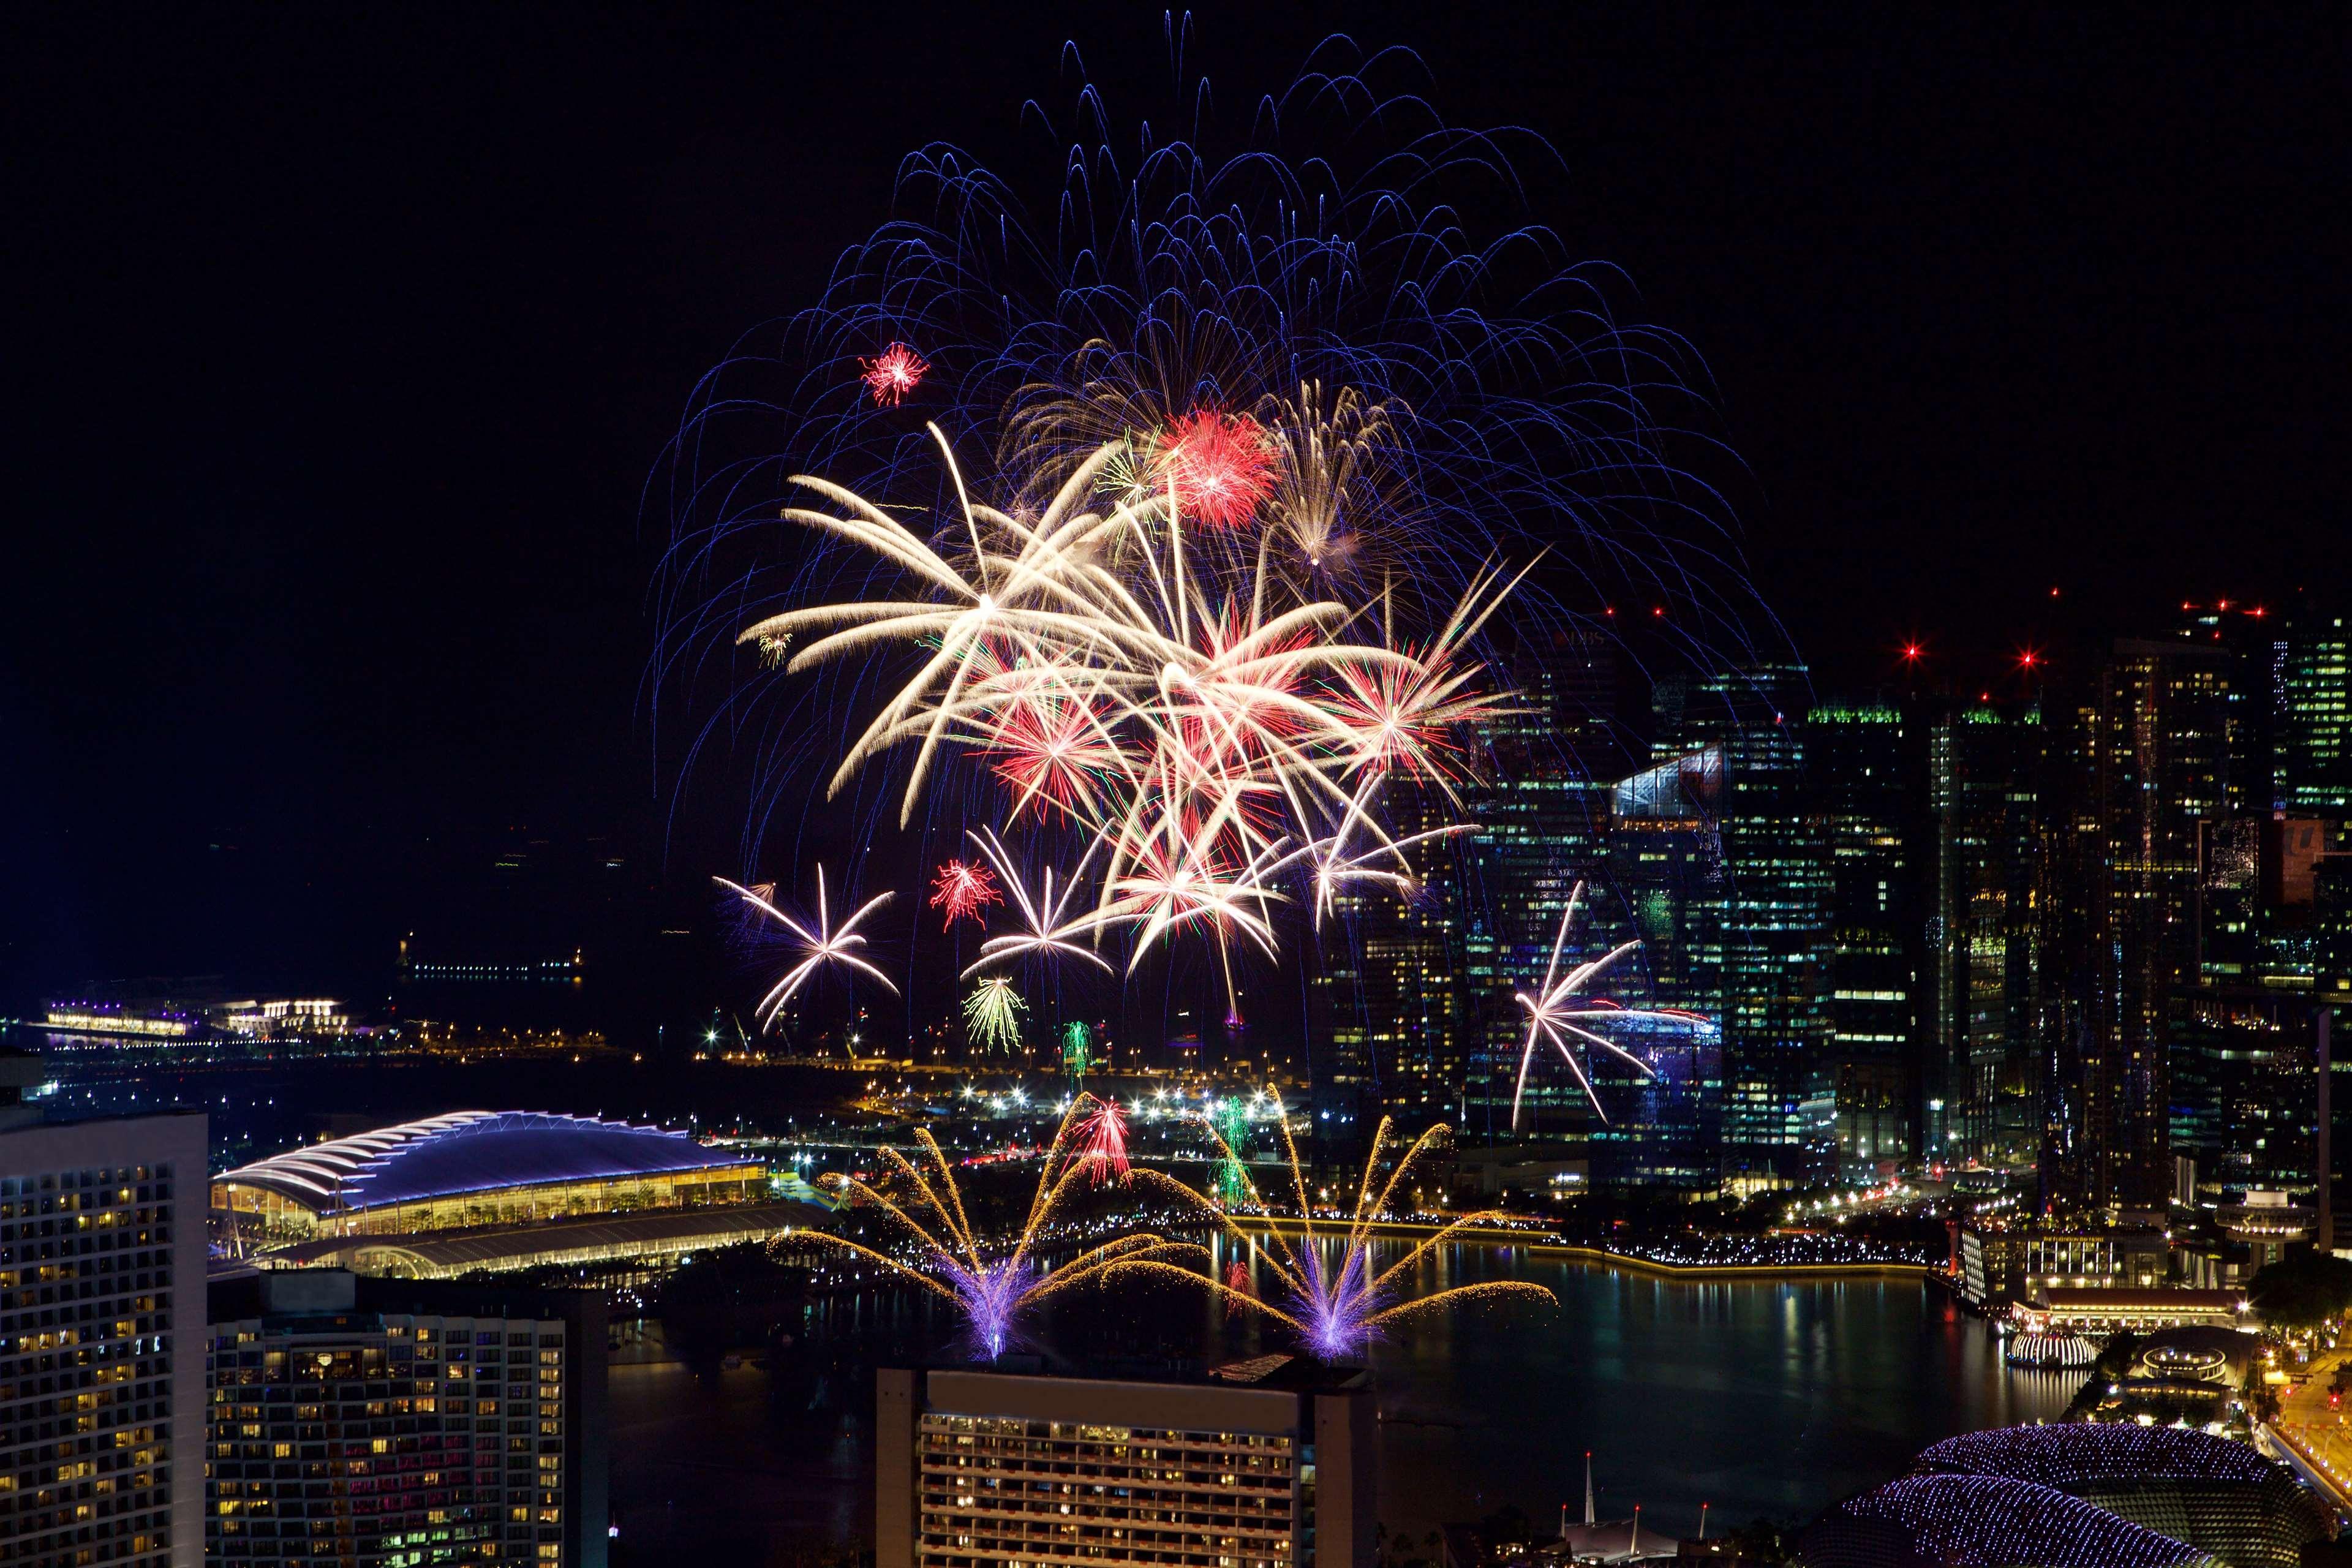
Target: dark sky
345	338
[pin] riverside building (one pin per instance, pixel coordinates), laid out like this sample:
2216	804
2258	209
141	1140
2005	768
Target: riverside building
101	1365
1264	1464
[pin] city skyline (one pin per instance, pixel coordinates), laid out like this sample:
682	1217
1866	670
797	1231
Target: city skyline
320	759
888	790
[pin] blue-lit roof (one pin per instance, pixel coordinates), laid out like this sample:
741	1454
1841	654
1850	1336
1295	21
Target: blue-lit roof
2074	1453
1984	1521
472	1151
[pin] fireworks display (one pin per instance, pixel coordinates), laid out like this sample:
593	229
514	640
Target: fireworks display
1230	1118
1194	566
819	945
1078	1050
961	890
1336	1298
992	1015
1220	465
893	373
1102	1139
1559	1011
1047	931
990	1285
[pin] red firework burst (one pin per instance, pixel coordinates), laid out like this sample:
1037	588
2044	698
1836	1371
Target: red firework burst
961	890
1223	465
1051	750
897	372
1102	1142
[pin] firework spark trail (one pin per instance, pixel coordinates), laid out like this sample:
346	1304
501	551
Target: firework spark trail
1231	1120
1336	1308
1222	464
1102	1140
1206	725
1217	434
820	945
992	1015
1077	1046
1553	1015
894	374
961	890
1044	931
1333	868
991	1286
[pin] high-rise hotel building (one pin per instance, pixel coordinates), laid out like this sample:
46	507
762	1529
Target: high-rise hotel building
101	1336
391	1423
1264	1464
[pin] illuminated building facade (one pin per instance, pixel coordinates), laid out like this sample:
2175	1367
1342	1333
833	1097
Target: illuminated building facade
102	1374
1866	763
1543	822
1267	1464
2313	764
1413	996
1982	1094
399	1423
1389	997
1776	916
2145	762
481	1168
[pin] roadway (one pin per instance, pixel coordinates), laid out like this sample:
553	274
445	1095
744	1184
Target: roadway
2320	1440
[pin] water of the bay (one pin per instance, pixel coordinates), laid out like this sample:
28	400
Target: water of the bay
1758	1397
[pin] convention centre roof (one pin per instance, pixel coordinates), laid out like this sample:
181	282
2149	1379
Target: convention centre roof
472	1151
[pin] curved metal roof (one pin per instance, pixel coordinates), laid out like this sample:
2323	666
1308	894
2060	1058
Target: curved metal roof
2074	1453
472	1151
1985	1521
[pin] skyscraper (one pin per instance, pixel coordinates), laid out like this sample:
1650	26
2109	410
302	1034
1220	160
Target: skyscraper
2312	770
1543	819
101	1337
1776	908
1983	934
1411	996
1386	991
1865	763
411	1422
2144	763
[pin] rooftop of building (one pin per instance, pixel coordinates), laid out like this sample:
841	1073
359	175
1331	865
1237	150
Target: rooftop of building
1974	1519
2079	1453
472	1151
334	1300
2120	1299
1285	1372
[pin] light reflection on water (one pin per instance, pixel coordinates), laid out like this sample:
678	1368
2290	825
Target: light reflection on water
1758	1397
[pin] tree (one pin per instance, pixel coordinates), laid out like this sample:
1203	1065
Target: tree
2260	1397
2305	1291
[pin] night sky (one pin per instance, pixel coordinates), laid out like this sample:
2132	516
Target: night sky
345	343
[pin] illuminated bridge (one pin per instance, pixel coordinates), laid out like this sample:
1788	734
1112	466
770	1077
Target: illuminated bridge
477	1168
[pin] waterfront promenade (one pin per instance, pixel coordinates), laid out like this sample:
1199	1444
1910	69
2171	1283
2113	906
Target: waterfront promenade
1546	1244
